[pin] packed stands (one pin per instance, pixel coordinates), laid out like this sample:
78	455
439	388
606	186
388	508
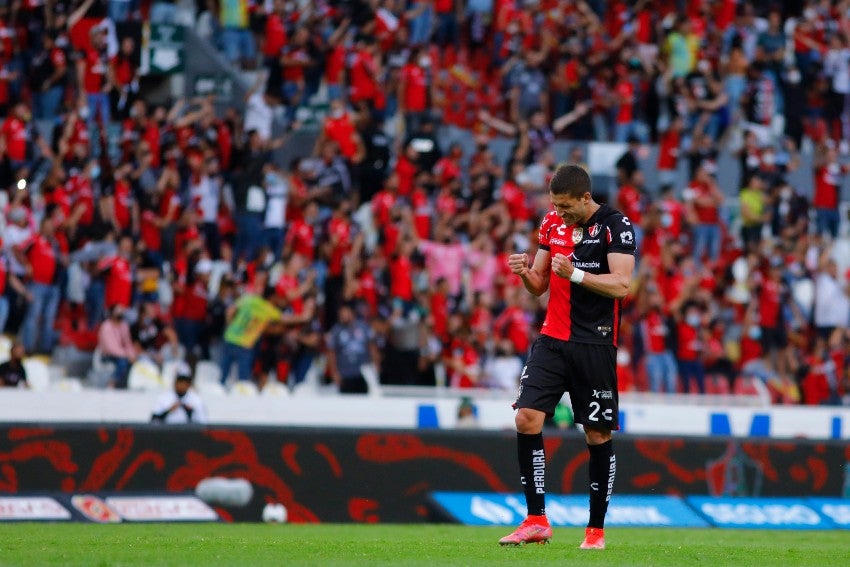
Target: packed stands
138	233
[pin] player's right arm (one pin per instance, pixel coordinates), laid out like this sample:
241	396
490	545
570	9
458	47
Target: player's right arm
535	278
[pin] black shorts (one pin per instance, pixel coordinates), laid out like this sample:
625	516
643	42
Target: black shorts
587	372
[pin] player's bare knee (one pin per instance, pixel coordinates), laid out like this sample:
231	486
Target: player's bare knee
597	436
528	421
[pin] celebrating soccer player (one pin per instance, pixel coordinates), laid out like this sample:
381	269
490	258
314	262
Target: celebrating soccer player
590	250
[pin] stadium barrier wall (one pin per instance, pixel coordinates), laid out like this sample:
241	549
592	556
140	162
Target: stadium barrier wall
681	415
500	509
347	475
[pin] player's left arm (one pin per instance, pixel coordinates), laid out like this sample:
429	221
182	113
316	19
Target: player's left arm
621	263
614	284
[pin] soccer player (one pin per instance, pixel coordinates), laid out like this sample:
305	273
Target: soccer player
586	260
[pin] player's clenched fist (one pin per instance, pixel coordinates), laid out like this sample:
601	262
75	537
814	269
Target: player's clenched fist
562	266
518	263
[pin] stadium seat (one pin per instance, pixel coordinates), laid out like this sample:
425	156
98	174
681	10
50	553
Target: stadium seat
5	348
244	388
166	292
220	268
101	371
716	384
144	376
207	371
363	216
440	374
370	373
169	352
274	273
274	389
312	383
751	386
211	389
72	385
804	293
169	372
38	373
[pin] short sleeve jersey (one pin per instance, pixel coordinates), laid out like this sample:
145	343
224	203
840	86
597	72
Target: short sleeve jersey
253	313
575	313
351	345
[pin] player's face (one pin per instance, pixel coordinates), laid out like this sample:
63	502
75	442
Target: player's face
572	210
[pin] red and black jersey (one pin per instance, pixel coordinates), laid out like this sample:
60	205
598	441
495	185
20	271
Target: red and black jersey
575	313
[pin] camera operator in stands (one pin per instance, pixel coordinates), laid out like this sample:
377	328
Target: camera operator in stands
182	405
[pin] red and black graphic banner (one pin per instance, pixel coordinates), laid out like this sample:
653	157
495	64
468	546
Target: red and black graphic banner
342	475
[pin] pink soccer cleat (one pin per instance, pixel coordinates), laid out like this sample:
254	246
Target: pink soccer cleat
594	538
534	529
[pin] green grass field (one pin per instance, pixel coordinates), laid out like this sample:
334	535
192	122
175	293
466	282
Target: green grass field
398	545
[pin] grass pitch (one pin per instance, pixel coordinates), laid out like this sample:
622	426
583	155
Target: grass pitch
403	545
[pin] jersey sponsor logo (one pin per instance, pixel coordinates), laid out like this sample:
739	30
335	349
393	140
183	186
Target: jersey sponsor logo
586	265
557	242
627	237
578	234
539	464
603	394
612	472
593	231
591	241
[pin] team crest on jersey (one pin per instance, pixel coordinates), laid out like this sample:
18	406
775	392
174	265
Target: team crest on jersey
578	234
594	230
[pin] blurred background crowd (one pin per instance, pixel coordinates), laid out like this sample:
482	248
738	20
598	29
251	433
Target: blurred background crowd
172	231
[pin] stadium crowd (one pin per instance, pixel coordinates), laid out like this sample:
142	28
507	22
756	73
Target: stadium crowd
387	245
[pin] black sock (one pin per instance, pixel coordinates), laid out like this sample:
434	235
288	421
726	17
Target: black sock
532	467
602	468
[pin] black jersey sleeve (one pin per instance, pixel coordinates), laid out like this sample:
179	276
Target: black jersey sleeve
621	235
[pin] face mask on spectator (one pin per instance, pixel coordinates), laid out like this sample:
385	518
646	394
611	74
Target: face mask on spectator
754	332
794	77
692	319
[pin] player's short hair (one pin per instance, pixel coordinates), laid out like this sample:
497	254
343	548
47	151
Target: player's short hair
570	179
